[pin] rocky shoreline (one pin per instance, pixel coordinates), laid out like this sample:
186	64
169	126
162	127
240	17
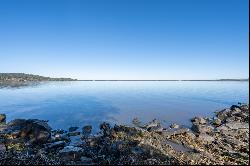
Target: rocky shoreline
223	139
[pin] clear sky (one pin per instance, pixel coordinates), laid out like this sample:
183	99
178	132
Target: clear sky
125	39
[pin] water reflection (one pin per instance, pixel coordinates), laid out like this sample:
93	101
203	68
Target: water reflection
78	103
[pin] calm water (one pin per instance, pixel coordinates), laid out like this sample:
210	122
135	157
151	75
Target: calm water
67	104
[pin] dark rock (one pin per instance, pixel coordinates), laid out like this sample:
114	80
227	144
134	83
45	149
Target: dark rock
86	161
155	128
71	129
59	131
223	115
54	145
154	125
74	133
32	130
235	107
69	153
105	127
86	130
137	150
2	148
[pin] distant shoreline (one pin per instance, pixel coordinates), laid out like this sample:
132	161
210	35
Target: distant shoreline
9	78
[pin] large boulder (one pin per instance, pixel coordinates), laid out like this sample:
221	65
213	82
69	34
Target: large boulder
31	130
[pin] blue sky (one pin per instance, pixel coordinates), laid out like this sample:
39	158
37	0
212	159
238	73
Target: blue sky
125	39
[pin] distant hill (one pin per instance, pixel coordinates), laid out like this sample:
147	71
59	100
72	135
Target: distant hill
22	77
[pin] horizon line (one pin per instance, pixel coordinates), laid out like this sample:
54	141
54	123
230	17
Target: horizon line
164	80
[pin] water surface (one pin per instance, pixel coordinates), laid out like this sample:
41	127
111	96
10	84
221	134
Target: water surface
79	103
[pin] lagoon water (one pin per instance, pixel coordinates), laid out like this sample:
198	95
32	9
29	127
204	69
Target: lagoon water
80	103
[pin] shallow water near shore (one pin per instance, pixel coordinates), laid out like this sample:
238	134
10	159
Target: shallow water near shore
80	103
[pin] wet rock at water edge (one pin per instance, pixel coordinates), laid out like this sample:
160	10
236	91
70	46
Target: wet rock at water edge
199	120
86	130
105	127
32	130
154	125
